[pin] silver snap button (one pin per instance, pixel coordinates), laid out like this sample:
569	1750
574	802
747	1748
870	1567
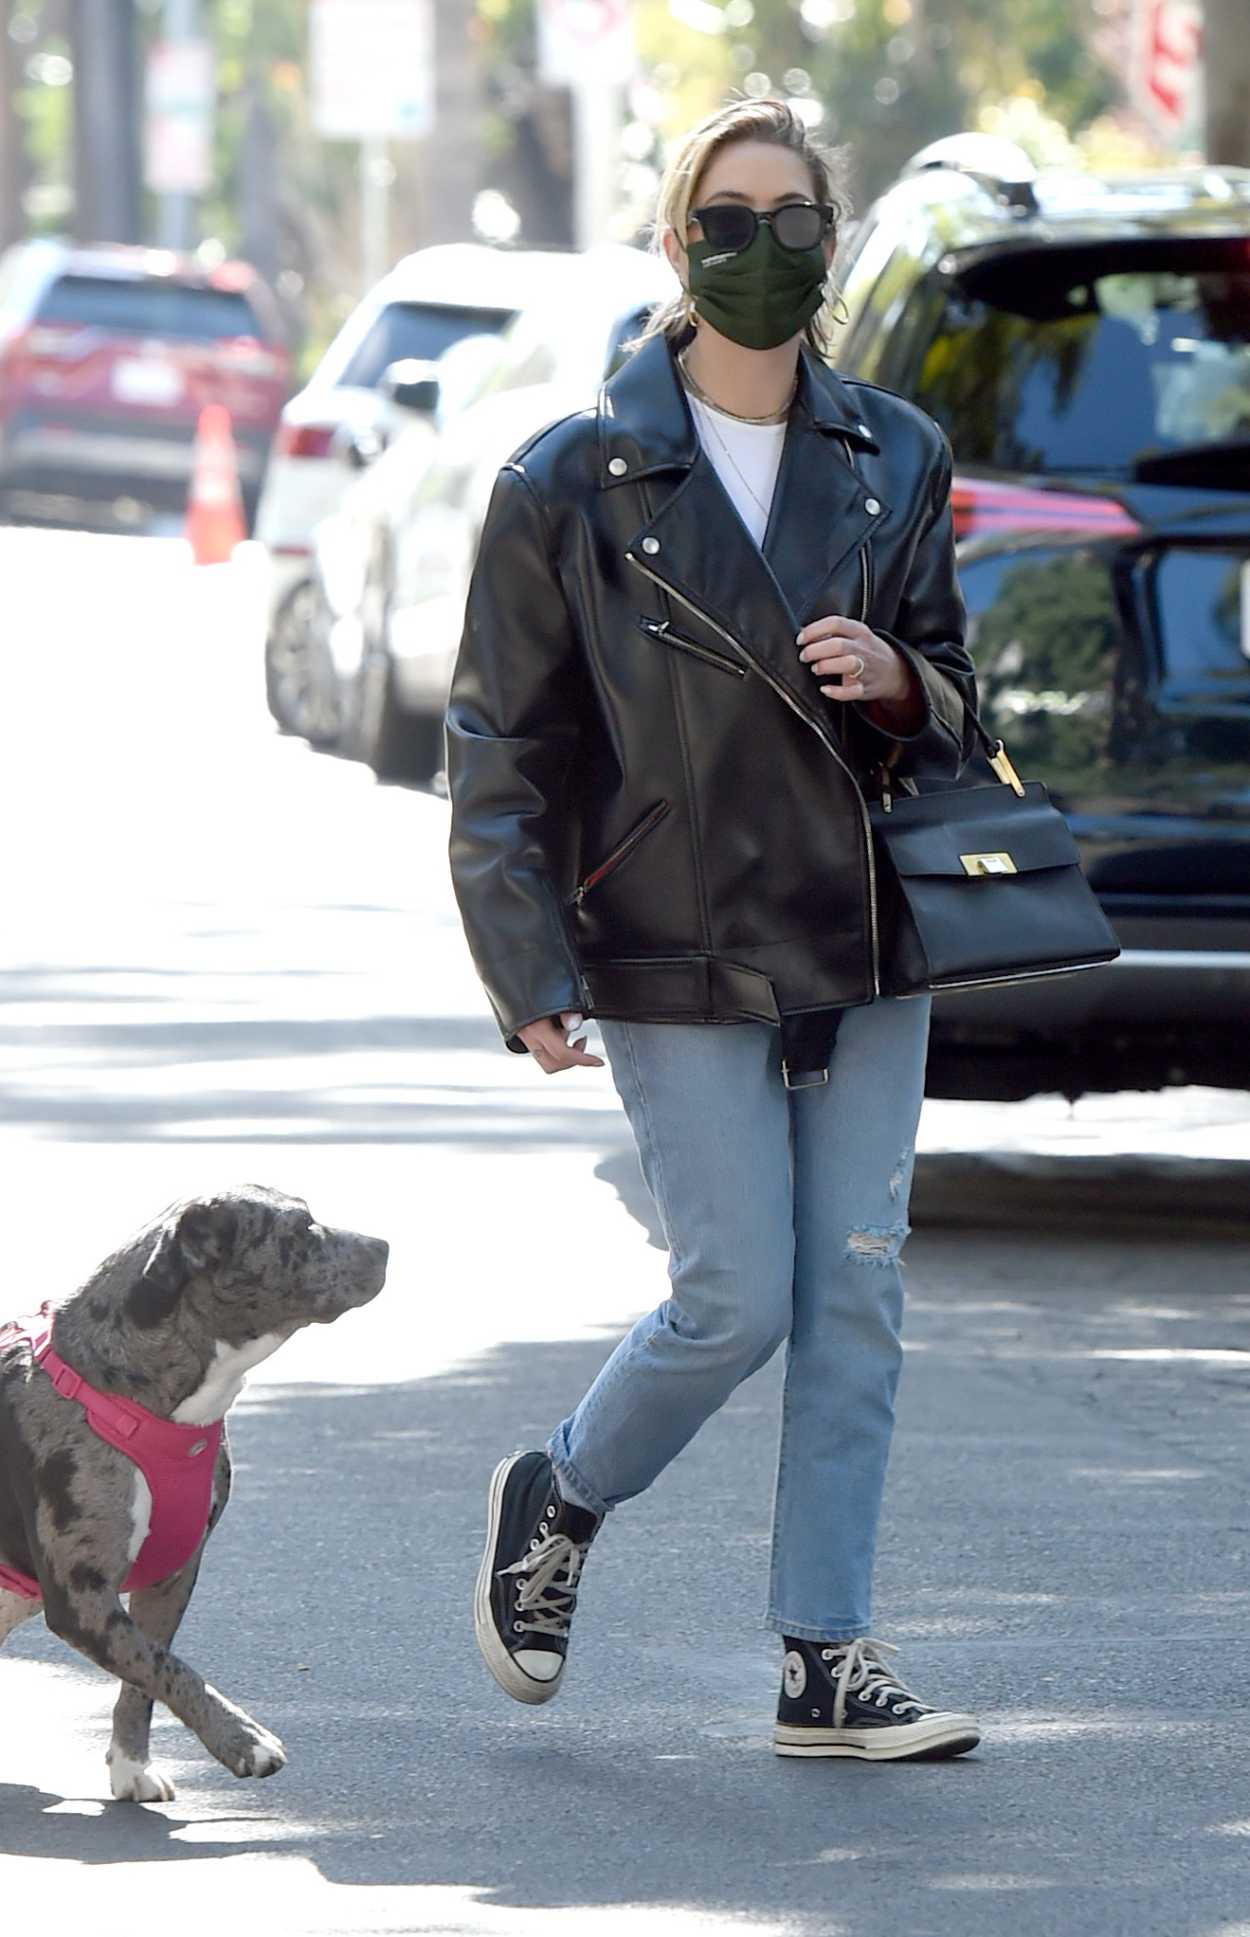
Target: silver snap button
871	505
651	546
863	430
199	1447
617	466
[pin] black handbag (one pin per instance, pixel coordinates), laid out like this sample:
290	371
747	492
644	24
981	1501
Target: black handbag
981	884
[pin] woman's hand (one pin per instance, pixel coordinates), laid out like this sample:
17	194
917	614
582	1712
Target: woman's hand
548	1045
871	669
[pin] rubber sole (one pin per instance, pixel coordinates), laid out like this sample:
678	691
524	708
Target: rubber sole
513	1681
932	1741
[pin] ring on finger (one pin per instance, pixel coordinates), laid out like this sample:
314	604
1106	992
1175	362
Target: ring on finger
857	669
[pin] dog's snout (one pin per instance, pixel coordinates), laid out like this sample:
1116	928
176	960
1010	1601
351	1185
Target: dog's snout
372	1255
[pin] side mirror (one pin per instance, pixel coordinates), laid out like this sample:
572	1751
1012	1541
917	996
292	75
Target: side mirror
363	446
413	385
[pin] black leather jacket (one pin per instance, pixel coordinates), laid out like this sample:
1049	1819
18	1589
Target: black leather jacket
655	813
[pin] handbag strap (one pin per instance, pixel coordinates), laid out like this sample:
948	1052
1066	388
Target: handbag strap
995	752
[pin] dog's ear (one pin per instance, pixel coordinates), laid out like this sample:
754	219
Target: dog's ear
207	1234
157	1289
201	1235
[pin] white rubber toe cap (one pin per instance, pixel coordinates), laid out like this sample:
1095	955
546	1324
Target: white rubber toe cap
539	1664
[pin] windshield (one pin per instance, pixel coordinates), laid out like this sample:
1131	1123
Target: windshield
152	307
1089	359
422	330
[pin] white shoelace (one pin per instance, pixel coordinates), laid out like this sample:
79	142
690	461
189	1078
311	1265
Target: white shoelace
549	1596
863	1672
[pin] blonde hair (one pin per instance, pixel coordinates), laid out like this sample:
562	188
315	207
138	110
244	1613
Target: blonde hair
744	120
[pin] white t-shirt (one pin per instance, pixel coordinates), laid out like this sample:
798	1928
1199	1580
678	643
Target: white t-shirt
746	458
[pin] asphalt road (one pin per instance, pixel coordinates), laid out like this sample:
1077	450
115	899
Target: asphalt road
226	957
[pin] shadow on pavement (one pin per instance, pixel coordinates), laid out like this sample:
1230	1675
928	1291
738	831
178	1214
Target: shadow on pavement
1039	1561
32	1824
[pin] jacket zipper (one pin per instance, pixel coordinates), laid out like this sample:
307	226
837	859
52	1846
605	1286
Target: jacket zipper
706	619
620	852
865	579
661	629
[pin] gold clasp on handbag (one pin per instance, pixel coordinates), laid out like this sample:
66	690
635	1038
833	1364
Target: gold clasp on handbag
1006	772
988	864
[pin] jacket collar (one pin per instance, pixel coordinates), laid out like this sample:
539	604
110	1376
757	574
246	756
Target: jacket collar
823	515
645	423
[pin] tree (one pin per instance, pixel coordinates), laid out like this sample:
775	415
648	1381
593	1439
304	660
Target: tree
12	135
1226	64
107	122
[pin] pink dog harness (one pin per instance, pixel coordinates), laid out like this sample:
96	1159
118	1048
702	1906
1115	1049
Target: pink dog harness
178	1463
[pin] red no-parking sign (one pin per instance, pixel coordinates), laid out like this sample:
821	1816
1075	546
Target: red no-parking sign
1166	70
581	40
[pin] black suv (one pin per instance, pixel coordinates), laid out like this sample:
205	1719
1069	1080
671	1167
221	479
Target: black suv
1085	344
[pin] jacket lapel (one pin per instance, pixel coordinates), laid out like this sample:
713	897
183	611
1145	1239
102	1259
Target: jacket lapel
696	547
818	520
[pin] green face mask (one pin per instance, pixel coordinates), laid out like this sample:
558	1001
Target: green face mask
763	295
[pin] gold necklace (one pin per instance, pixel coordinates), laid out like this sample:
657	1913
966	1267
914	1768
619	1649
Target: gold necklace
773	416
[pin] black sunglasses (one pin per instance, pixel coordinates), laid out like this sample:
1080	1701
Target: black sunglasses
733	226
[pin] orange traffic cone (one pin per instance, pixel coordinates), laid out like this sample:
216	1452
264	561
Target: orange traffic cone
215	523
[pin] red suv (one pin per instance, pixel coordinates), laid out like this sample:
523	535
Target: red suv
108	355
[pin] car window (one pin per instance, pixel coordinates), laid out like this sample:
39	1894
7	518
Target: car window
1202	605
149	306
415	330
1082	359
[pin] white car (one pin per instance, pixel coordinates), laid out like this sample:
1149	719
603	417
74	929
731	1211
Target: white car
355	402
393	567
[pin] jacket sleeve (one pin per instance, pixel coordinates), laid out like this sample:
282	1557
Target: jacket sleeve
511	732
930	636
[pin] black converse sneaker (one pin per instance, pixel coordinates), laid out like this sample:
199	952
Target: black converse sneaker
527	1584
839	1698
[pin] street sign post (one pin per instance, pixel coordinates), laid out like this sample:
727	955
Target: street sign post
372	69
588	47
181	97
372	65
1165	74
585	40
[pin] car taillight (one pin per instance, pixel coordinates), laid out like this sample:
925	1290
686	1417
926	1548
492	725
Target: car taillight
981	506
305	440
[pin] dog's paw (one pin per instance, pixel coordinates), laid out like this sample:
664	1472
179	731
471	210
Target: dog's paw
137	1781
253	1751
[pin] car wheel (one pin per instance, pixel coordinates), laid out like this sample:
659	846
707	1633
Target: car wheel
300	682
398	745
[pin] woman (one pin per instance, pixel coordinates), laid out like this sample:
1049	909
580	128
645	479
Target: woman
703	617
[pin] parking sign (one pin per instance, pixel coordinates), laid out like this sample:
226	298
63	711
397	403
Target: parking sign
372	64
1166	71
581	42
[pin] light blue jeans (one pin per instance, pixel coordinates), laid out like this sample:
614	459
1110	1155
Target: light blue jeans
785	1212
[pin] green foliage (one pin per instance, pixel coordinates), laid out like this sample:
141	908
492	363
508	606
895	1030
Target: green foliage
1045	652
895	74
890	75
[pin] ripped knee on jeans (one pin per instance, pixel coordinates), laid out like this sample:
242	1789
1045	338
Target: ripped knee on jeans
877	1246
